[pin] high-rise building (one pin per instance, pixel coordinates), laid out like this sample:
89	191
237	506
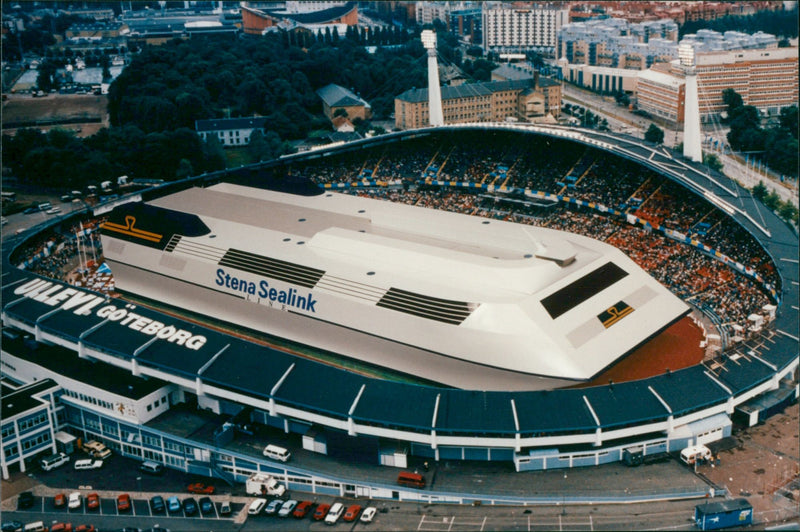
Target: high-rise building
523	26
766	78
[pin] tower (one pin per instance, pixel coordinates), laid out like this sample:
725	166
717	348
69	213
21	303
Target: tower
692	147
434	90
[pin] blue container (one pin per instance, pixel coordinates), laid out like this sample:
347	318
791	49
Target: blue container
722	514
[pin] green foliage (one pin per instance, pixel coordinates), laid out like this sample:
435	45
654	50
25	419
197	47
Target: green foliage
779	143
781	153
788	212
61	159
760	191
785	209
172	85
712	161
788	120
732	99
264	147
772	200
654	134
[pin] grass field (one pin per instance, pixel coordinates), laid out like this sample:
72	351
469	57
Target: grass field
45	112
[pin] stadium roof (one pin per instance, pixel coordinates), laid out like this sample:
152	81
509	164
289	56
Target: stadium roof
386	403
67	363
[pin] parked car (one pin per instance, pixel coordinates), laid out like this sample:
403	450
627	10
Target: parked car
157	503
257	506
87	463
173	504
151	468
11	526
352	512
25	499
189	506
92	501
302	509
61	527
273	507
334	513
368	514
200	488
206	506
225	508
74	500
322	511
124	503
287	508
86	528
60	500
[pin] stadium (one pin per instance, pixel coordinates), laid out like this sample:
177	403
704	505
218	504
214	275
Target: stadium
697	233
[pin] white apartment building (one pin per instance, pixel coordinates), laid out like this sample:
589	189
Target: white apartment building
514	27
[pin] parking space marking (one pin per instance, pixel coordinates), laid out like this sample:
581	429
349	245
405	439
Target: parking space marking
449	524
562	523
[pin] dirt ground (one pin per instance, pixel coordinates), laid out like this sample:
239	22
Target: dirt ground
25	108
764	467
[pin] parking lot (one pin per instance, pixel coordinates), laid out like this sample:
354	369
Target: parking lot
139	508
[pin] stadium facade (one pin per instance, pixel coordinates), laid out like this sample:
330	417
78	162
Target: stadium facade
385	421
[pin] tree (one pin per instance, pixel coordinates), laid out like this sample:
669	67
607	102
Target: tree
712	161
46	77
184	169
789	120
105	63
475	51
788	211
261	150
654	134
732	99
772	200
759	191
214	154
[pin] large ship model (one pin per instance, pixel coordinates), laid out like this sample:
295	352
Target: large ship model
460	300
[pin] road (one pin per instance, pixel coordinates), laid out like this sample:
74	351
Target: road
622	120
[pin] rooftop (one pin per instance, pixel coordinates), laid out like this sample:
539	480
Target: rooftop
337	96
22	399
218	124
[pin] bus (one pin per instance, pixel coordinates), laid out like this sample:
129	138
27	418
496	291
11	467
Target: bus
413	480
9	196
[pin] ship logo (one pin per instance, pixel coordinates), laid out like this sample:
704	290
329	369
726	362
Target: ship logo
614	313
130	230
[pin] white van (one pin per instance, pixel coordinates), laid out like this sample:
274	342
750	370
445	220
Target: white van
334	513
53	461
692	454
87	463
37	526
256	506
277	453
151	468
